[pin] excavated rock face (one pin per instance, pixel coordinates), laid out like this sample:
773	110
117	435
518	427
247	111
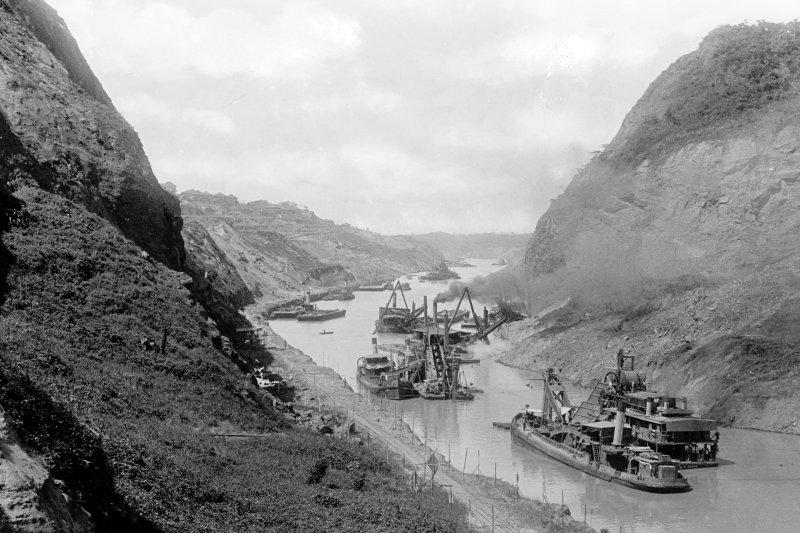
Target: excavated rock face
706	163
689	219
59	112
280	249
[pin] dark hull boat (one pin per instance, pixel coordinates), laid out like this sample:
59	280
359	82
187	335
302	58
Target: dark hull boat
286	313
637	467
594	444
319	315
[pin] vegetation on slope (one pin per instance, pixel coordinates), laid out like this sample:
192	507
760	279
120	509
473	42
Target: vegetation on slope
111	376
736	70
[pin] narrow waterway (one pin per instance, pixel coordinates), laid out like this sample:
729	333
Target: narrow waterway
759	491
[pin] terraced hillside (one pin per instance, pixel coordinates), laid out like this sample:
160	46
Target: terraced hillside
280	249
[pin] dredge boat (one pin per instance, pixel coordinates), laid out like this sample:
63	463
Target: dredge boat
395	319
659	421
601	448
444	378
379	375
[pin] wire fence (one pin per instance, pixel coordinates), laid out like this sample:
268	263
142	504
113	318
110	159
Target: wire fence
420	477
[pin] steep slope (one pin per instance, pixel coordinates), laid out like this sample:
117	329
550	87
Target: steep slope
85	150
279	249
678	242
114	381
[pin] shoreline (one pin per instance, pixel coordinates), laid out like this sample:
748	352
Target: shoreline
320	388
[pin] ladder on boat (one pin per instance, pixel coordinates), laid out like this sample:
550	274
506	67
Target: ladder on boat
596	453
589	411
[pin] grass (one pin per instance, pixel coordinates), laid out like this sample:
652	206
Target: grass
737	70
128	428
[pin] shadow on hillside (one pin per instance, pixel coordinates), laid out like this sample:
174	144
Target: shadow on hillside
9	208
76	453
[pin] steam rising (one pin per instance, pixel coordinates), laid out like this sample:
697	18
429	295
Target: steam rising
601	275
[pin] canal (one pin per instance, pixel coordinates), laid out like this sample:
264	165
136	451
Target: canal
757	491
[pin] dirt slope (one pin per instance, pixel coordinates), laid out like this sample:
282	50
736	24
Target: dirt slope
678	242
280	249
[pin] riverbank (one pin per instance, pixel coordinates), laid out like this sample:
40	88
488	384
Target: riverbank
323	389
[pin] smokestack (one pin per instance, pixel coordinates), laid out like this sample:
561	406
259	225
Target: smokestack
394	300
619	427
649	408
413	307
485	318
446	332
425	312
374	346
308	297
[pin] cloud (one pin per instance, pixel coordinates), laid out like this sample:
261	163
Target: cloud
167	41
409	115
210	120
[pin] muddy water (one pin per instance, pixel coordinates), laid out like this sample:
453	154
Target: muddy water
759	491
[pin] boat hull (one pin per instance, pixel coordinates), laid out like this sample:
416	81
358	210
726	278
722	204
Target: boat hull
402	391
391	329
284	314
580	460
315	316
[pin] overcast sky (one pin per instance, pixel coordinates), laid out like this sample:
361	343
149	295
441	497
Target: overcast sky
398	116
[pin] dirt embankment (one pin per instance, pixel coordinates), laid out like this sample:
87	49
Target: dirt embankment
322	387
728	348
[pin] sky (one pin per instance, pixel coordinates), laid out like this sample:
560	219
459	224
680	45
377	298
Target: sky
396	116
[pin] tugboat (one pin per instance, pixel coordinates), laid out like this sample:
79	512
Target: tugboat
318	315
600	448
312	314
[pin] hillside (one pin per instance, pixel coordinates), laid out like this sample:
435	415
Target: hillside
84	149
508	246
678	242
280	249
115	376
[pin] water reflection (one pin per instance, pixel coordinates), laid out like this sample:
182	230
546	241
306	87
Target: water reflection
759	492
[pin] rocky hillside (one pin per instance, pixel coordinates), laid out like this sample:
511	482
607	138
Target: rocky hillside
84	149
280	249
679	241
115	380
508	246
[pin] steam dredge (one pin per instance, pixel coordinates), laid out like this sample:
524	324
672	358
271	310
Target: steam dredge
380	375
622	433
